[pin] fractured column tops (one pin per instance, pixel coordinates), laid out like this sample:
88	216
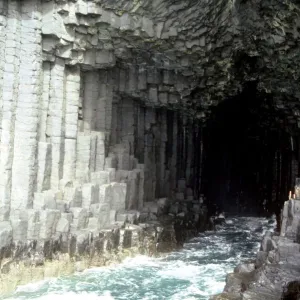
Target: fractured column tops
96	35
89	206
75	148
55	140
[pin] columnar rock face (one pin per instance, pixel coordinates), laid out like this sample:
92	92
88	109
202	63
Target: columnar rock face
275	272
89	92
87	139
74	135
101	105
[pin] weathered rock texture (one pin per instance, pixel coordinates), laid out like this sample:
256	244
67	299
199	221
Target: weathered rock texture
86	139
160	229
159	51
101	104
275	273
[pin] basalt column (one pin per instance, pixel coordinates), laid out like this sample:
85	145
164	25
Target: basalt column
173	140
44	155
149	135
150	165
9	97
27	109
91	112
161	175
91	141
55	121
3	24
72	103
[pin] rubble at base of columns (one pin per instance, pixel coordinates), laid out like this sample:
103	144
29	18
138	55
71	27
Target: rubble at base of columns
275	273
81	157
80	164
157	229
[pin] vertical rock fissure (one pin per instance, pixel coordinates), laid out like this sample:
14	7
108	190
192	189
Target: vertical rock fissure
10	98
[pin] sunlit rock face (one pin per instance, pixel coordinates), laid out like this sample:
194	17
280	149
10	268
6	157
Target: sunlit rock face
89	136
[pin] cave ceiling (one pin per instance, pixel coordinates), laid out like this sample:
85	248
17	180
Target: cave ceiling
211	47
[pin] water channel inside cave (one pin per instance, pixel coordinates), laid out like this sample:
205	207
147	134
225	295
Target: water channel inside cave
195	272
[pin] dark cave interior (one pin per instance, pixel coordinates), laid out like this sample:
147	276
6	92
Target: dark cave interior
250	155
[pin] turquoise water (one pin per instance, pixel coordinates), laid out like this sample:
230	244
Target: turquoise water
195	272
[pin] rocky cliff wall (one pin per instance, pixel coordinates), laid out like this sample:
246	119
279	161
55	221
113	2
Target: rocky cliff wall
87	89
191	54
101	104
74	133
275	272
87	140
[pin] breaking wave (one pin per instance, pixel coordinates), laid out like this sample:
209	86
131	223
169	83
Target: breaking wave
195	272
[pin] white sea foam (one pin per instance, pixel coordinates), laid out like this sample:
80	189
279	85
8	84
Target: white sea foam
33	287
191	293
72	295
141	260
195	272
180	271
229	221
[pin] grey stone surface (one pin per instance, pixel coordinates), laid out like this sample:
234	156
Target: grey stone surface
275	267
90	89
6	234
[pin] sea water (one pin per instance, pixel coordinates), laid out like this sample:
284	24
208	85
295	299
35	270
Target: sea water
195	272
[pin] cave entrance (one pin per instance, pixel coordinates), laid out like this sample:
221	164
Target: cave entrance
249	155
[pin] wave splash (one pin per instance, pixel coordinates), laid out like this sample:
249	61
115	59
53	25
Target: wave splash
195	272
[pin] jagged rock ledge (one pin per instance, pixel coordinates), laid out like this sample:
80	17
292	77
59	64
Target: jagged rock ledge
275	273
151	233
